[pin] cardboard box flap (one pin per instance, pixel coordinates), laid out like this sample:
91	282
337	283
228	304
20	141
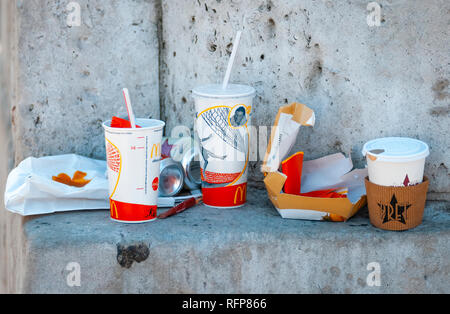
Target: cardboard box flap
274	182
301	114
329	172
287	125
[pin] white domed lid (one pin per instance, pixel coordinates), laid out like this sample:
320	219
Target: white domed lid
396	149
216	91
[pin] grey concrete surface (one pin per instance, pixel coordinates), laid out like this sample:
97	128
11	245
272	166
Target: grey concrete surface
71	78
247	250
363	82
12	249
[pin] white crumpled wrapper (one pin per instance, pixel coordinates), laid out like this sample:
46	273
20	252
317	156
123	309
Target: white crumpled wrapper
334	172
30	189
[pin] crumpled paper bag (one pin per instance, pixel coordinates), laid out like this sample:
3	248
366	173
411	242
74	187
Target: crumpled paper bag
30	189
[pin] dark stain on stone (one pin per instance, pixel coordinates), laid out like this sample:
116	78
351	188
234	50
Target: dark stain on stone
271	22
193	19
440	111
212	47
127	255
137	23
439	89
174	53
262	57
37	121
308	39
229	49
184	100
338	145
315	74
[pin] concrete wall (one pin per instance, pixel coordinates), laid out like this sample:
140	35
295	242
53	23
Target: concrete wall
71	77
12	239
363	82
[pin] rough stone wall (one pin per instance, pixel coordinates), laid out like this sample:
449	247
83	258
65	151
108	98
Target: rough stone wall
363	82
12	240
70	78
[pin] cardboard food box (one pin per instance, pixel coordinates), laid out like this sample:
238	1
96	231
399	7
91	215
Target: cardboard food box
329	172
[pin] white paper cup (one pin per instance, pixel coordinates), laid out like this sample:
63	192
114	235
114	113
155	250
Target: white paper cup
396	161
223	120
133	158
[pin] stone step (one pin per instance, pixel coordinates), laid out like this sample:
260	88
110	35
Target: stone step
247	250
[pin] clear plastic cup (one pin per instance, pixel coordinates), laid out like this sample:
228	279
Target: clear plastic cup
133	158
396	161
223	121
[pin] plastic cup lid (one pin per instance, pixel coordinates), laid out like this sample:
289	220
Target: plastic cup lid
216	91
396	149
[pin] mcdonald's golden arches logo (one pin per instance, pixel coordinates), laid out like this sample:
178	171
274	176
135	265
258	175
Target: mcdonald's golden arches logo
156	150
242	192
113	207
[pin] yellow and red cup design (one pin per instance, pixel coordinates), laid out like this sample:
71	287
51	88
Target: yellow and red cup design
223	121
133	159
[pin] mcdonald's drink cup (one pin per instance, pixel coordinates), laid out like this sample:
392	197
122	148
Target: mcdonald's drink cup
223	120
396	161
133	158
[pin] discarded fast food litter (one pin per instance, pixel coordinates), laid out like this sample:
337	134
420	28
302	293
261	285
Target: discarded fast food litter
396	161
223	122
181	207
32	190
396	208
133	159
396	189
329	189
171	178
223	119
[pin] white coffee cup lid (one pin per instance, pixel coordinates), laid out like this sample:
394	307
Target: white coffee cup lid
216	91
396	149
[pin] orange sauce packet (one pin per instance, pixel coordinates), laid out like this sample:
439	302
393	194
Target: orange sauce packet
78	179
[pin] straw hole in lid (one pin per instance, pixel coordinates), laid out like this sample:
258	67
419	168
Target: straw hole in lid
377	151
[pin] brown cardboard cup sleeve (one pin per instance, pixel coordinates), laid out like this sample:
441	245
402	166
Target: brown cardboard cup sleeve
396	208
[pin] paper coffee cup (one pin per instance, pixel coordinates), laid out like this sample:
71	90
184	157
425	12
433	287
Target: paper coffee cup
223	120
396	161
133	158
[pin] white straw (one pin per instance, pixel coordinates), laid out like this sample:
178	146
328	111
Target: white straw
231	62
131	117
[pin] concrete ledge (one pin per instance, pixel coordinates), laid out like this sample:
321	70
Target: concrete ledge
248	250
